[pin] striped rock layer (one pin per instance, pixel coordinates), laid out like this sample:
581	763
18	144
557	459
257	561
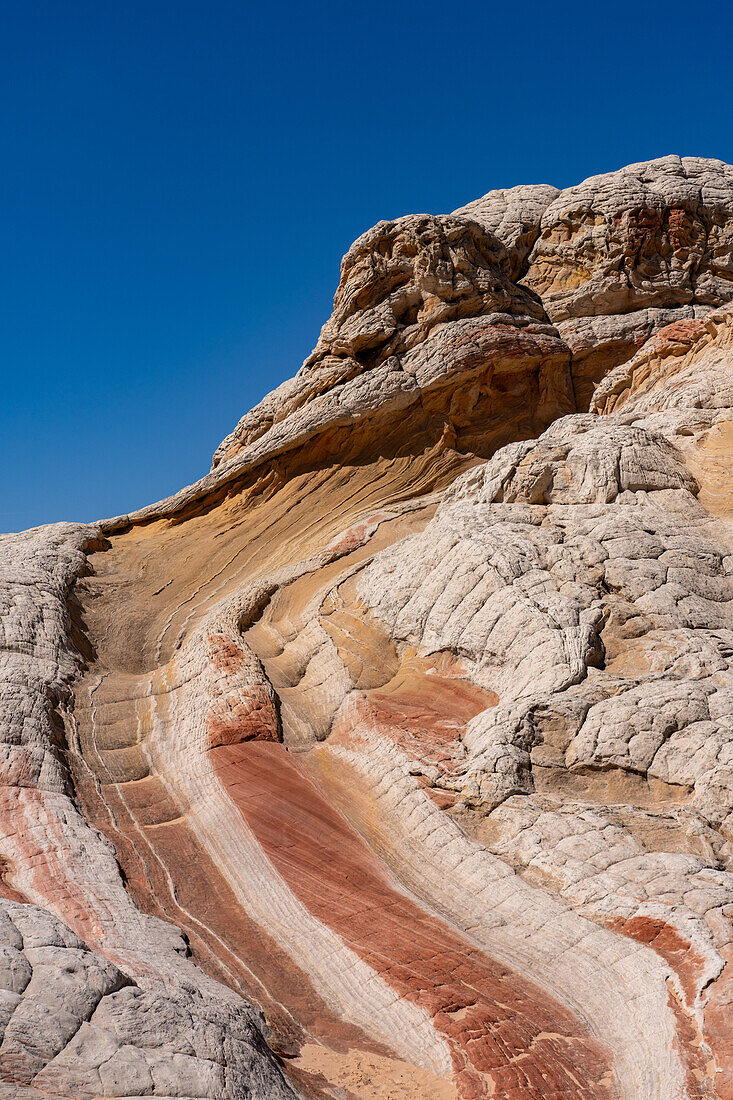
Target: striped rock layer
394	758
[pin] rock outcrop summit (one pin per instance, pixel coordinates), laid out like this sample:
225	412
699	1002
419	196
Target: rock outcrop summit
393	759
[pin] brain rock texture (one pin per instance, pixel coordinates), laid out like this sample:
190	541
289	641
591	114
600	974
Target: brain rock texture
393	759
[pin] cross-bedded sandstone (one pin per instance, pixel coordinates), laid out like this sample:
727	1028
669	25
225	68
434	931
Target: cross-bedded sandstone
394	757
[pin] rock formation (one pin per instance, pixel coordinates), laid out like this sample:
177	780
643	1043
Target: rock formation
394	758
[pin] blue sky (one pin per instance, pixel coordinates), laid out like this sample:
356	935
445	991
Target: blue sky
180	179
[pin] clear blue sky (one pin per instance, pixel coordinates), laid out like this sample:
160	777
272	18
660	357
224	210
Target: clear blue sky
180	179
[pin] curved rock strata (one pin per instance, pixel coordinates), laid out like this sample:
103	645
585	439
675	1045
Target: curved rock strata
393	758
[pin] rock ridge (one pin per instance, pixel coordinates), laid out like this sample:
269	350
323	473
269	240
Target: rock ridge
394	758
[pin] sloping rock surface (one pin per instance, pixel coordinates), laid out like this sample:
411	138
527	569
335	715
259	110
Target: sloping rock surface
394	758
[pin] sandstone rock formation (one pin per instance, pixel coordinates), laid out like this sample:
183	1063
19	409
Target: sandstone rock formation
394	758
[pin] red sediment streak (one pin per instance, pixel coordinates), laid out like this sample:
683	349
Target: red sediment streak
690	969
42	855
718	1027
425	715
695	1056
243	715
442	799
6	890
506	1036
224	653
667	942
718	1012
354	537
242	711
680	332
291	1005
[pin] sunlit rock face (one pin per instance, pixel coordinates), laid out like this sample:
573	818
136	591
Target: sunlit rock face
621	255
394	758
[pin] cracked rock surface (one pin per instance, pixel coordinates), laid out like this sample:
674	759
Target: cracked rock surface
394	758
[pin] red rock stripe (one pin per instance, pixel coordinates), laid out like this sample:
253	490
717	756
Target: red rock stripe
147	847
506	1035
667	942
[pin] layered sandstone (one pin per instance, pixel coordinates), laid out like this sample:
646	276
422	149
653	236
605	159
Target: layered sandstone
393	758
